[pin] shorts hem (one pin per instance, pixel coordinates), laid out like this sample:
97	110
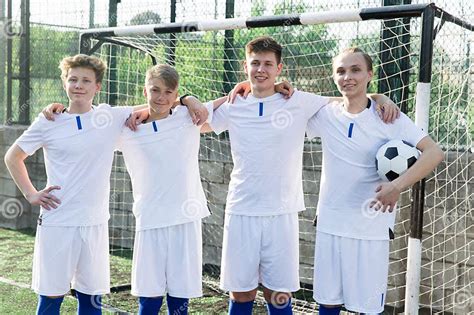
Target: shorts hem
234	289
147	295
91	292
362	310
40	292
187	295
279	289
322	302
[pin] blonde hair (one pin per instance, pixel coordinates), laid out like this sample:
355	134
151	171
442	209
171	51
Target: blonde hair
83	61
164	72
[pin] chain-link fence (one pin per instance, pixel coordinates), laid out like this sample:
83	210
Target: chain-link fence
54	27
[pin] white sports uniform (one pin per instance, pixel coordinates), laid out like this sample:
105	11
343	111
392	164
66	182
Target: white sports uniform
78	152
346	228
169	203
267	138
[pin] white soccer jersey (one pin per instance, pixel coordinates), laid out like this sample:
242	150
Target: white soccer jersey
78	153
349	177
162	160
267	138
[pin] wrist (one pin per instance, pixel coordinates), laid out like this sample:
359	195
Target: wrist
182	99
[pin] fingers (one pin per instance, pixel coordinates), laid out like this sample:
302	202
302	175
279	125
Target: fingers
51	188
47	200
194	117
48	203
246	93
231	97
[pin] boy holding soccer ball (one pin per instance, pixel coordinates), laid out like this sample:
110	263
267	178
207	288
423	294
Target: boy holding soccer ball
352	240
261	230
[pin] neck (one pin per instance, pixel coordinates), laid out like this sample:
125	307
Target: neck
79	108
157	116
262	94
355	105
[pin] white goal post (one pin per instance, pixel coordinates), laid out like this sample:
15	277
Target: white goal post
431	263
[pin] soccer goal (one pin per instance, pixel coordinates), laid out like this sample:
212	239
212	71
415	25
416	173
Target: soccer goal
423	61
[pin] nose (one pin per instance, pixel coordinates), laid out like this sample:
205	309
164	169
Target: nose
347	75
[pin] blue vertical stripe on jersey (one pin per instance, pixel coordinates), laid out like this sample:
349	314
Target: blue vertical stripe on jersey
78	121
351	126
155	127
381	302
260	109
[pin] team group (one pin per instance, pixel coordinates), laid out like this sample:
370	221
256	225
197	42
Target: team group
160	145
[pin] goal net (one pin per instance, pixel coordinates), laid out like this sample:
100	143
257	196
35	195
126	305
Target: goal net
209	63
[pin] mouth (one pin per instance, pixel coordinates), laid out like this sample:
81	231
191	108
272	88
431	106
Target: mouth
260	78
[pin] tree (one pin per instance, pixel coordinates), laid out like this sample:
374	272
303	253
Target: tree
147	17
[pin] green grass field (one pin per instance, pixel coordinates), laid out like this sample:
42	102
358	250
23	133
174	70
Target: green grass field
16	254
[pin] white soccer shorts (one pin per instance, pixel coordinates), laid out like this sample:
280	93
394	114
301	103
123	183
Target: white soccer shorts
260	249
351	272
76	257
168	260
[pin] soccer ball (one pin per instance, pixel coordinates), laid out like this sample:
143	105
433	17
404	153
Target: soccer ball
394	158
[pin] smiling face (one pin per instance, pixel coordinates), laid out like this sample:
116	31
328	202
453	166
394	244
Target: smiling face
262	69
160	97
81	86
351	74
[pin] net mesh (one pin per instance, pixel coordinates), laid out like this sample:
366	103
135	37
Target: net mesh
210	62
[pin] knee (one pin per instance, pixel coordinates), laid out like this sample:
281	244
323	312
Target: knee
242	297
275	297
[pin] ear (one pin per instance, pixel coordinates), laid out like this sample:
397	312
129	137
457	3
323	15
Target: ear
98	86
279	68
244	64
144	92
371	75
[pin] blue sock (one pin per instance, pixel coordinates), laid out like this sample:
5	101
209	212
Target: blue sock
280	309
89	304
177	306
329	310
240	308
149	305
48	306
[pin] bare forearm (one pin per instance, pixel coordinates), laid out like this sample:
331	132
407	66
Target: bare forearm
19	173
218	102
379	98
139	107
427	162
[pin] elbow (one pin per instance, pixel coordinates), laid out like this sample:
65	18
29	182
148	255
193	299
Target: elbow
441	155
8	157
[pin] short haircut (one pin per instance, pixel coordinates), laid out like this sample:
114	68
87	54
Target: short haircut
83	61
353	50
164	72
264	44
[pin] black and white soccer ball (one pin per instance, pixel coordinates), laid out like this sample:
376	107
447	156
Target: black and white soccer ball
394	158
